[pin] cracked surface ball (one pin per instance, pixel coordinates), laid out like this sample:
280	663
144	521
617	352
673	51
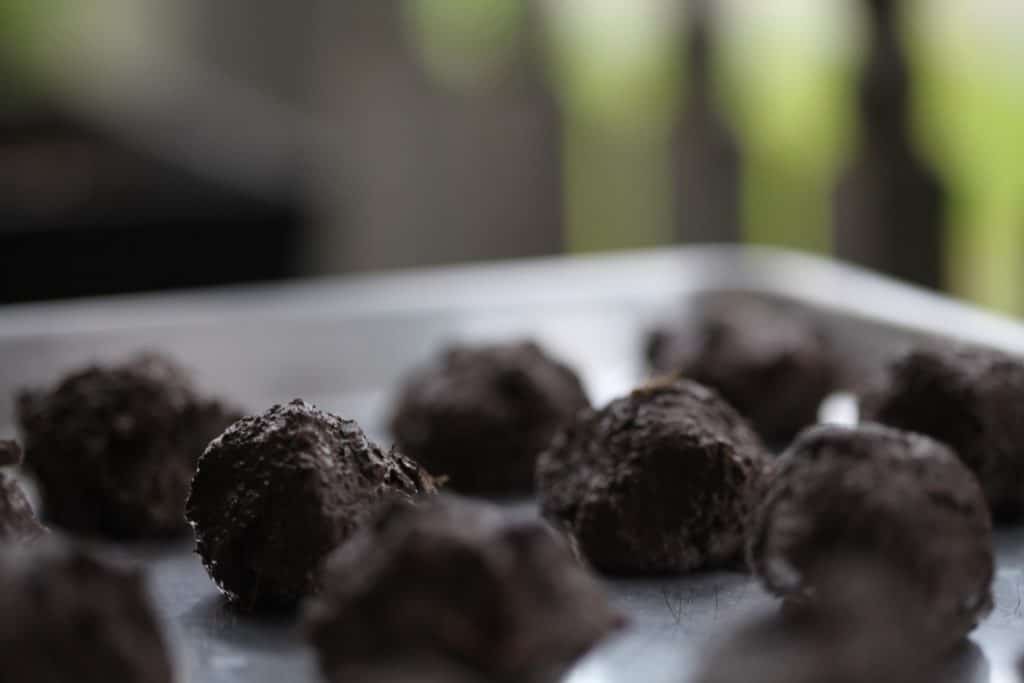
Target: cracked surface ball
114	448
659	481
276	492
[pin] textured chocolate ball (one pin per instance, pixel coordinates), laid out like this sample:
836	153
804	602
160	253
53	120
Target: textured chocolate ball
899	499
275	493
114	448
971	399
483	415
462	584
65	617
18	522
658	481
772	364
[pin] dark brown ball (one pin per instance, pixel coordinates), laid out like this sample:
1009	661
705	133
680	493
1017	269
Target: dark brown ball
275	493
65	617
483	414
114	448
18	522
657	481
456	584
898	499
866	628
971	399
772	364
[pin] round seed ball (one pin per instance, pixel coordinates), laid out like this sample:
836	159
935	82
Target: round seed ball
971	399
460	585
66	617
770	363
899	499
657	481
482	415
275	493
114	448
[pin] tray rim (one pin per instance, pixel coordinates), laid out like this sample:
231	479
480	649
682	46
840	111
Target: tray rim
802	277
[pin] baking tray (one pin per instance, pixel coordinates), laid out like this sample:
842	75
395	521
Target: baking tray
344	343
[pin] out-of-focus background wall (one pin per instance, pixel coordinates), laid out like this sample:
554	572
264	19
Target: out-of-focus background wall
169	143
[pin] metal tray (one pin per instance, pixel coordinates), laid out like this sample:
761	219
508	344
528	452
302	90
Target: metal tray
344	343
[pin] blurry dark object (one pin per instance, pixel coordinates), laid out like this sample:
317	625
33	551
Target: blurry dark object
82	213
424	670
900	500
485	590
275	493
18	522
867	627
772	364
483	415
114	448
10	453
427	172
707	154
889	205
66	617
656	482
971	399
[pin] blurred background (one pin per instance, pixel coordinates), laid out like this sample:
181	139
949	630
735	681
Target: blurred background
149	144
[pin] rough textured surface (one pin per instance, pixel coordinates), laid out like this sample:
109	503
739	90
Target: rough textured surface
971	399
67	618
276	492
18	522
494	593
866	628
899	499
658	481
772	364
114	448
483	414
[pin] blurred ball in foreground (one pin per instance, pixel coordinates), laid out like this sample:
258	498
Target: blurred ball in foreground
66	617
460	585
899	500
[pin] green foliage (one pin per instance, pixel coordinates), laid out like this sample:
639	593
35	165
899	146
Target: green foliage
788	77
464	43
786	70
21	26
971	107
